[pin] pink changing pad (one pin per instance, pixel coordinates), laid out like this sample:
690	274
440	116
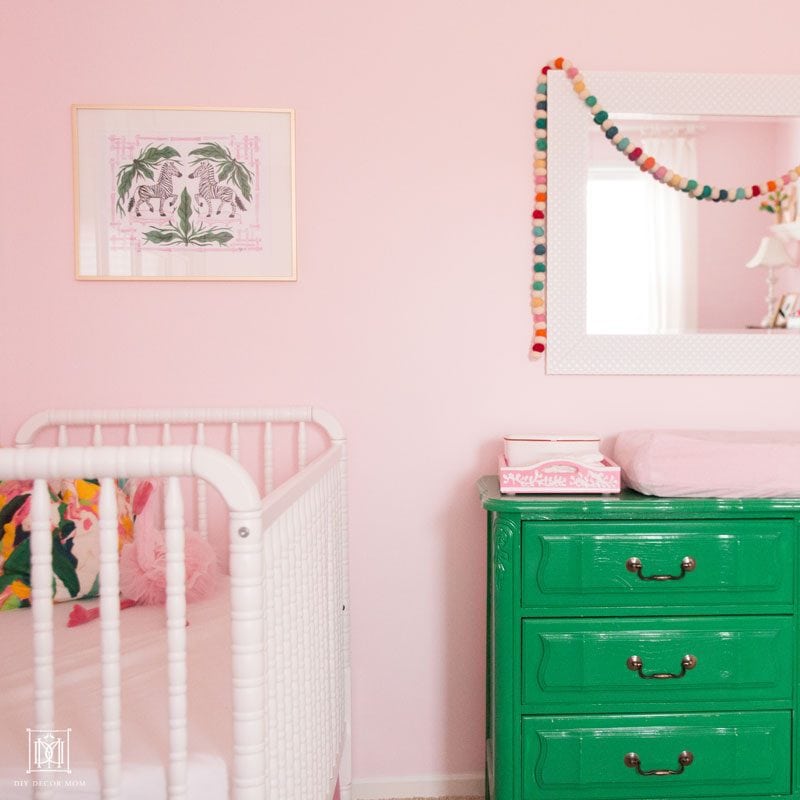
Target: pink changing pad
710	463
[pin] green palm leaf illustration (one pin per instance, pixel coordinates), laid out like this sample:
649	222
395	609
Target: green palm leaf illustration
212	236
241	178
225	171
161	236
155	154
185	211
19	561
212	150
64	566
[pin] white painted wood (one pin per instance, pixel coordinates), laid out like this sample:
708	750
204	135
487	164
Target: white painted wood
343	574
97	436
289	601
186	416
305	632
110	641
247	646
176	639
42	607
570	349
63	439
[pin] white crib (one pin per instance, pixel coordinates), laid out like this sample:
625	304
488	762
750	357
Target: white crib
289	619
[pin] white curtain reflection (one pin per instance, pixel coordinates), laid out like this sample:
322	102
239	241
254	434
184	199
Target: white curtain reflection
642	244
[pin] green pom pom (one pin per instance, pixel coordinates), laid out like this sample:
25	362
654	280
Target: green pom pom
538	231
537	286
541	123
600	116
691	186
591	100
541	144
540	267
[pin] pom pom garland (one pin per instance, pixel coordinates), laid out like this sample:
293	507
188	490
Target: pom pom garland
635	154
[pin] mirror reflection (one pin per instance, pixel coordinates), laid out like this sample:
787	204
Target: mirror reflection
660	261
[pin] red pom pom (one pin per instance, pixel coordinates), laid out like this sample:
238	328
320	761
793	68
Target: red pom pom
545	70
538	214
756	191
80	615
635	154
538	348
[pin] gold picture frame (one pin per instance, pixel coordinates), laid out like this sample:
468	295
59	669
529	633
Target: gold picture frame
184	193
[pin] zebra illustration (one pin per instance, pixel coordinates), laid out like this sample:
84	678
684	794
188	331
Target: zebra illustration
210	190
162	189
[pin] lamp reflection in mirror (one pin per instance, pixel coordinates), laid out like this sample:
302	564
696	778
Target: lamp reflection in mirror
771	255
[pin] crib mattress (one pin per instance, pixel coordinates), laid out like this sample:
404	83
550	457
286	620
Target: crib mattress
145	750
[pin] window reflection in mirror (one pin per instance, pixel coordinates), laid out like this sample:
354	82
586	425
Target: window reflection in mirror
660	261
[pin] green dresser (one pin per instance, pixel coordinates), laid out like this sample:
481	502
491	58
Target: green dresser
641	648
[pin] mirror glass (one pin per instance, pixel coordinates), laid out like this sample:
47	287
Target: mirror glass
659	261
646	280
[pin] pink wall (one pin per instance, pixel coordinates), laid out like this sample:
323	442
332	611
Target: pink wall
733	153
410	318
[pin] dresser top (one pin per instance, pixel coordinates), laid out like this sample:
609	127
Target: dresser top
627	504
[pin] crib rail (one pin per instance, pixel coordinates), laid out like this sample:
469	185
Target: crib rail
246	545
306	632
297	686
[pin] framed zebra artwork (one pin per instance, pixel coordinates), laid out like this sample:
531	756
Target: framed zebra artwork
184	193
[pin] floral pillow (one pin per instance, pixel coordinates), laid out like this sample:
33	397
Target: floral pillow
76	536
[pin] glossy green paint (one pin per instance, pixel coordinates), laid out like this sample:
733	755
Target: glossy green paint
575	666
572	758
582	564
564	615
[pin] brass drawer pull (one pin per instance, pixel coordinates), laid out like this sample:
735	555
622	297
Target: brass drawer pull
635	565
635	664
684	759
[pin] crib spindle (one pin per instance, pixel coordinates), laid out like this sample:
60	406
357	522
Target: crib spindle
202	491
97	436
132	435
63	437
176	639
166	434
110	640
269	477
42	605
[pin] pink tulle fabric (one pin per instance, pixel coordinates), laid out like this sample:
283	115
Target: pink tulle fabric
142	564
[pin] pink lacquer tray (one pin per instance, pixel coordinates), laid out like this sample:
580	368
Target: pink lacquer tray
560	476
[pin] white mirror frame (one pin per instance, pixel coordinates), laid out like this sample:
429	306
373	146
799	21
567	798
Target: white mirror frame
570	349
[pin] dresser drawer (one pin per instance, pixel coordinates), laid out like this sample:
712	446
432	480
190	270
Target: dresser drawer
747	563
569	758
572	665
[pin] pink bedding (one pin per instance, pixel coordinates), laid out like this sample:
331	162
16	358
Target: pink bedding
710	463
